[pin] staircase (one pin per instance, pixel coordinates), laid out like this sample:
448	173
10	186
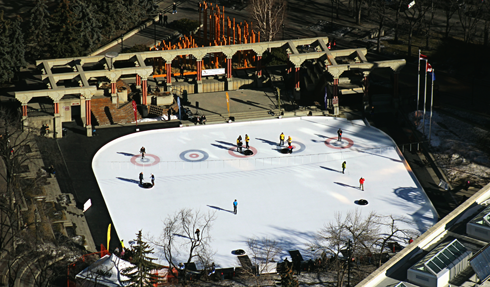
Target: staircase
108	113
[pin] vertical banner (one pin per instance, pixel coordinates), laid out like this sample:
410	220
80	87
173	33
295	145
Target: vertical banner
325	98
135	113
109	232
228	103
178	105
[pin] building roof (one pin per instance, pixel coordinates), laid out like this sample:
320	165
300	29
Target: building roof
106	271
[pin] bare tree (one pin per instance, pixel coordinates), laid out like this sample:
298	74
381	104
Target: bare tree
486	19
397	18
450	7
428	25
179	241
413	18
269	16
263	252
380	14
469	16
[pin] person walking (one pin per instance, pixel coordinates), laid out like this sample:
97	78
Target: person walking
165	19
141	178
235	206
290	140
152	177
339	135
361	183
142	151
247	139
197	233
174	8
160	18
239	144
344	164
281	139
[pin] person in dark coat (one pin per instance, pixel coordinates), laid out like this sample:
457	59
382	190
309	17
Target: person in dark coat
165	19
141	178
235	206
160	18
174	8
339	135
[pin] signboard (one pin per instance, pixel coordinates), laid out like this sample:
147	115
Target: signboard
212	72
87	205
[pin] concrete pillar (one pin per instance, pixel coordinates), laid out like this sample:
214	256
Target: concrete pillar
259	66
296	78
365	98
199	76
335	97
88	116
113	92
138	81
83	112
24	114
229	74
58	133
144	91
168	69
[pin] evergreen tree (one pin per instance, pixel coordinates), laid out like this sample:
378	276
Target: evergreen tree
287	278
6	63
38	30
17	54
90	25
149	6
139	274
65	41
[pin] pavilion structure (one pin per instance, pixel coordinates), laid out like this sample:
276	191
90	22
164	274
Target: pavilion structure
75	81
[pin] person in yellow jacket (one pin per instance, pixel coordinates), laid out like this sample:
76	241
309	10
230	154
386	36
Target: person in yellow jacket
247	139
290	140
281	139
239	144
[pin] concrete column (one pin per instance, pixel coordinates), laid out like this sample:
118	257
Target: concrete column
83	112
296	78
168	69
365	98
113	92
138	81
88	115
259	66
199	76
24	114
58	133
335	87
229	77
335	97
144	91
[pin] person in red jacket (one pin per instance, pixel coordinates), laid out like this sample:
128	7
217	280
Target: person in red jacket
361	183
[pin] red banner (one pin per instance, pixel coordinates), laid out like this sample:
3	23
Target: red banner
135	113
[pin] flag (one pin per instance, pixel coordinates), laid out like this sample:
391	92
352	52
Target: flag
433	76
429	67
423	57
108	235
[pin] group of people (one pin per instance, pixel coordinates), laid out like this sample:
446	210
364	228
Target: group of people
361	180
290	140
152	179
44	129
200	120
239	143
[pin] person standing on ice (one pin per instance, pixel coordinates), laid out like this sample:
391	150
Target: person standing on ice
281	139
235	206
142	151
239	143
290	140
141	178
290	148
247	139
361	183
152	177
344	165
339	135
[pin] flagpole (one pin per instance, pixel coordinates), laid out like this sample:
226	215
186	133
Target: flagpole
418	83
431	102
425	95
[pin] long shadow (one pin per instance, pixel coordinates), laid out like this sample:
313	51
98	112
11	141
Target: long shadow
249	103
220	209
392	159
220	146
330	169
321	136
180	235
346	185
226	143
129	180
125	153
267	141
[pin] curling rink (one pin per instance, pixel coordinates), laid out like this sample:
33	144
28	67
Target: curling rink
282	197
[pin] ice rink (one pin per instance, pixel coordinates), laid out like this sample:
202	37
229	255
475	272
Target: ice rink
283	197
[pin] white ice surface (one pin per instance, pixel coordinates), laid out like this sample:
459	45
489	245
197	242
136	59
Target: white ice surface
284	197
